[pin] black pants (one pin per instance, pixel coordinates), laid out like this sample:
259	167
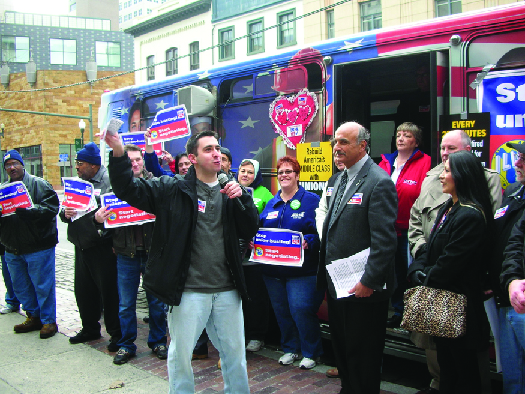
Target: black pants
96	289
257	309
459	368
358	338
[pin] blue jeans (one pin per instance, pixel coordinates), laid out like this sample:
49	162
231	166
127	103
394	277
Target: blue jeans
295	302
33	277
10	298
128	280
221	314
512	350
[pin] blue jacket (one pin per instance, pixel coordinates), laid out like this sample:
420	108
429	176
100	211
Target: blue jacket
301	219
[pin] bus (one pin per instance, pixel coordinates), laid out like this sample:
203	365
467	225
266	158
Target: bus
381	78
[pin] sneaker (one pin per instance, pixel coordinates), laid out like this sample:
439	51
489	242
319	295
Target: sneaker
161	351
8	309
288	358
307	363
84	336
31	324
48	330
254	345
122	356
112	345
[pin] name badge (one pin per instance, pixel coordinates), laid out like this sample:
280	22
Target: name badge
501	212
356	199
329	191
272	215
201	205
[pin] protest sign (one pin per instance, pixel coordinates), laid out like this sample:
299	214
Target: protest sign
123	214
278	247
78	194
137	138
169	124
12	196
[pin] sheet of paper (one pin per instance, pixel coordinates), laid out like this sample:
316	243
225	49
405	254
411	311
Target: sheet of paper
347	272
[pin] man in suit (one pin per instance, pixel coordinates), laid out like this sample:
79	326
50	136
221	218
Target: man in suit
361	215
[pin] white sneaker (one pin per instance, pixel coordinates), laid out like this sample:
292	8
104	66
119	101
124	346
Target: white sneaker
288	358
254	345
6	309
307	363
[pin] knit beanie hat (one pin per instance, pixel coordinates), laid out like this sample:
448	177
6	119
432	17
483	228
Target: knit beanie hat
254	163
226	151
90	154
13	154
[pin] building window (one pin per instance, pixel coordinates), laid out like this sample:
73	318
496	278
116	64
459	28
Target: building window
63	51
172	63
448	7
227	45
15	49
140	12
108	53
194	55
135	13
149	11
120	6
330	24
371	15
150	62
256	38
286	29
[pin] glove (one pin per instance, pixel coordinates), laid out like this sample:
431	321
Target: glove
25	213
418	278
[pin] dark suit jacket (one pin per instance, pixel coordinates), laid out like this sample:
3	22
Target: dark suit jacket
455	259
366	224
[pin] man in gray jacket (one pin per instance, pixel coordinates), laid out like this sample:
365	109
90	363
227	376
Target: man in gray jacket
361	215
422	217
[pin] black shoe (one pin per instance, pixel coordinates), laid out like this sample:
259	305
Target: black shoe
122	356
394	321
145	319
83	336
112	346
161	351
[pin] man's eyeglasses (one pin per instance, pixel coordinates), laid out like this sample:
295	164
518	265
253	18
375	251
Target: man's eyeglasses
521	157
12	165
79	163
284	172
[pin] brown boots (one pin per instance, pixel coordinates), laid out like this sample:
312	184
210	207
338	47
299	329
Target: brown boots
33	323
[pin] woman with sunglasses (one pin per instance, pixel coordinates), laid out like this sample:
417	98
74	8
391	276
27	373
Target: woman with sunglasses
292	290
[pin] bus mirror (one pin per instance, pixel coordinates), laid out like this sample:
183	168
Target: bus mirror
198	101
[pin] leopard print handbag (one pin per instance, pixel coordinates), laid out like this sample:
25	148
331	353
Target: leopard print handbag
440	313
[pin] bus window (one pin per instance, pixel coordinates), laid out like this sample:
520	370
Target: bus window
242	89
290	80
152	105
263	86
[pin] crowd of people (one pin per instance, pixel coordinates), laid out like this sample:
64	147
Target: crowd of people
449	227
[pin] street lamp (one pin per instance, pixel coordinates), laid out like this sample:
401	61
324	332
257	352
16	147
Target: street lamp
82	126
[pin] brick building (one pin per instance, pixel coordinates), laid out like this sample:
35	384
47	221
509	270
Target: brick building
60	49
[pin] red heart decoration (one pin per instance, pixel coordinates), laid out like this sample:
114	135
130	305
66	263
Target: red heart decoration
292	115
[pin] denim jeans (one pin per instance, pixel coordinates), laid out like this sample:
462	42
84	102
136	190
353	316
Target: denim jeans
221	314
295	302
10	298
33	277
128	279
512	347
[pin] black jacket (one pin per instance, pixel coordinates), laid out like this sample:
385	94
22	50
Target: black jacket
124	237
85	232
35	229
512	208
513	266
454	259
174	203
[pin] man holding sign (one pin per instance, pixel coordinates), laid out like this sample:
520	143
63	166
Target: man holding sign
361	215
29	237
194	264
132	245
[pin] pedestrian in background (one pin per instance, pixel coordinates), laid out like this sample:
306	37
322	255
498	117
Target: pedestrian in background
30	237
11	302
95	262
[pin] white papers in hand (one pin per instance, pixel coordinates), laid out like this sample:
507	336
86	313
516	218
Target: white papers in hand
347	272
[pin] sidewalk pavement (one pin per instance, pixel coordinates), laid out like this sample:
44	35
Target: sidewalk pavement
31	365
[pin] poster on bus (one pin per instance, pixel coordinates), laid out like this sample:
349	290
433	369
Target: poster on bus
278	247
169	124
123	214
12	196
137	138
502	93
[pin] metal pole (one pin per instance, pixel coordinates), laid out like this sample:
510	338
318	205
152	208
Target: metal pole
90	123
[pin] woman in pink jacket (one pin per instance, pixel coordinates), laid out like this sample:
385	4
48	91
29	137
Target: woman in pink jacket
407	167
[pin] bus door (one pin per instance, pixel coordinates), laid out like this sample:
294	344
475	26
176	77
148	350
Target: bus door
383	93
